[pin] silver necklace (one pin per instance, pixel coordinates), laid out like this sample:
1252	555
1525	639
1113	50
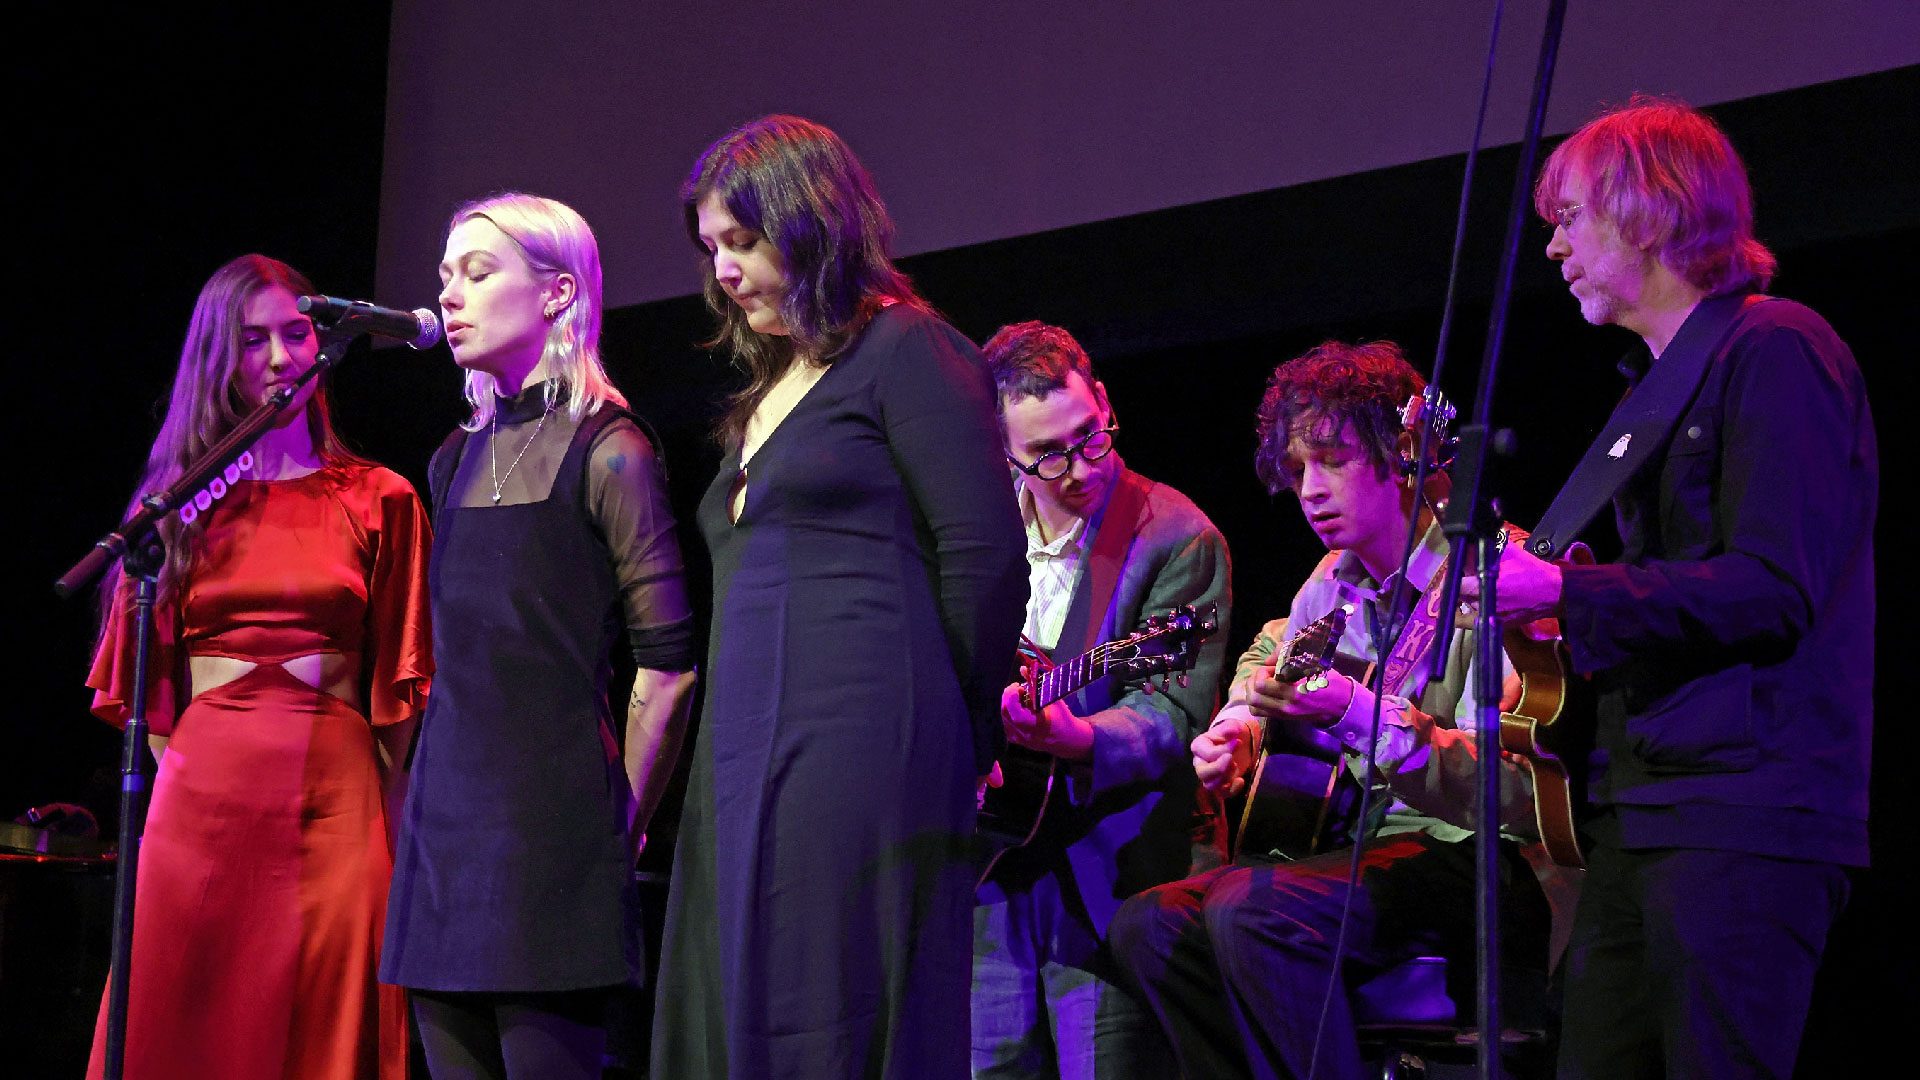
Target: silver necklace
493	449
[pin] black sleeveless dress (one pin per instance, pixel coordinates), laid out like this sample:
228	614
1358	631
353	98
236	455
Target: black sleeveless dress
513	871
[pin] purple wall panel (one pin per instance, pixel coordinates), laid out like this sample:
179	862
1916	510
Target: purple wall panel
993	119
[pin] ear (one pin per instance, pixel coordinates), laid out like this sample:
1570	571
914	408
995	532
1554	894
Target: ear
1100	395
560	291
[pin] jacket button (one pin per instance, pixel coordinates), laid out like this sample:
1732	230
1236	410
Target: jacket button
1693	432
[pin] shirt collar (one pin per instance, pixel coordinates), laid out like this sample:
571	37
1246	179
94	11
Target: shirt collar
1427	557
1067	543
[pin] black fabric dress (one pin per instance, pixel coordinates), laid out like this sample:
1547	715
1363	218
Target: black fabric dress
866	610
513	872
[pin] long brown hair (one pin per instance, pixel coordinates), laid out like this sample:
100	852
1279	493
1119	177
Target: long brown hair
207	402
796	183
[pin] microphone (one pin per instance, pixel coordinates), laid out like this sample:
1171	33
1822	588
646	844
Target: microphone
419	328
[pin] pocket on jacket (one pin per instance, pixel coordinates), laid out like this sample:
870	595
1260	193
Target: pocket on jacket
1704	725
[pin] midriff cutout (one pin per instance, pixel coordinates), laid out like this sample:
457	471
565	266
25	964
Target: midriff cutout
332	673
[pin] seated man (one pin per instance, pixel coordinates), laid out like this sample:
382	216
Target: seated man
1107	548
1235	963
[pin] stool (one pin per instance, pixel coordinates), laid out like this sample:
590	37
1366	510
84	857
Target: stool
1406	1021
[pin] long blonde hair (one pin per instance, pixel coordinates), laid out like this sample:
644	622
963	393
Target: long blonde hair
554	239
207	402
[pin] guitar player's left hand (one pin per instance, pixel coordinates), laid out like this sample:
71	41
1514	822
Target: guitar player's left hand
1319	699
1053	730
1529	589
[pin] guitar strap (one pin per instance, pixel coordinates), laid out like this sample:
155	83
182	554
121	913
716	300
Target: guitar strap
1416	638
1640	424
1107	555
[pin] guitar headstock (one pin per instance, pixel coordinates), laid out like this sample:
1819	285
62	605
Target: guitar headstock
1170	642
1312	649
1428	416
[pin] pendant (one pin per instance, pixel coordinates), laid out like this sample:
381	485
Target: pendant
496	498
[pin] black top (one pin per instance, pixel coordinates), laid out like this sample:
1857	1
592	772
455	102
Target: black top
626	503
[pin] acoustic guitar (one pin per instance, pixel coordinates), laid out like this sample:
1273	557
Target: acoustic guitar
1296	802
1012	814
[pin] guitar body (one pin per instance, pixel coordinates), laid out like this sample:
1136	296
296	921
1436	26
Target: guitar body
1300	798
1550	729
1011	814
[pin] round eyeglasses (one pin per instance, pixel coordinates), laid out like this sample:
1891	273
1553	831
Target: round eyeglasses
1054	464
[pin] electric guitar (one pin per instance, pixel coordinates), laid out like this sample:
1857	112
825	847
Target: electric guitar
1550	729
1011	814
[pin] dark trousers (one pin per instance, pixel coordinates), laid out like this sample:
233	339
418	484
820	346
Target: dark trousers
485	1036
1693	963
1235	963
1044	1001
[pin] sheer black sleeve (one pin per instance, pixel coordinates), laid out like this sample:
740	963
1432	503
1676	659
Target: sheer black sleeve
627	499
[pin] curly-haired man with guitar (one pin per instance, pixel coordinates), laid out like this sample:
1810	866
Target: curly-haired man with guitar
1102	756
1235	963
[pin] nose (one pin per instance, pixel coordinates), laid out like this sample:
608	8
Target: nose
1313	483
1557	246
279	358
449	297
726	268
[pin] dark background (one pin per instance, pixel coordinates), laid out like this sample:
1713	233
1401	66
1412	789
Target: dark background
147	159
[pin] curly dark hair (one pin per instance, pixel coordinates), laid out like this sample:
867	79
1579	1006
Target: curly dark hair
1333	388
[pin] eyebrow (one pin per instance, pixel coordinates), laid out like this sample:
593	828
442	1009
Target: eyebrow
469	256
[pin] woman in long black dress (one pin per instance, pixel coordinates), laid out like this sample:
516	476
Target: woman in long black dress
869	584
512	905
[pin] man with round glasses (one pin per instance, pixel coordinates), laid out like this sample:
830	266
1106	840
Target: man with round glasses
1106	549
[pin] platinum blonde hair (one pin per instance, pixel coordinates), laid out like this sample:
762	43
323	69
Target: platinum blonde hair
554	239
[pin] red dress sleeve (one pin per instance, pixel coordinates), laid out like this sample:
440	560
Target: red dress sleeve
112	675
399	636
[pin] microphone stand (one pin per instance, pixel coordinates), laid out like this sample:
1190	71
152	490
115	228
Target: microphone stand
1473	514
138	545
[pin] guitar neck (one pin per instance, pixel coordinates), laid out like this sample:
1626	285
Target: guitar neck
1072	676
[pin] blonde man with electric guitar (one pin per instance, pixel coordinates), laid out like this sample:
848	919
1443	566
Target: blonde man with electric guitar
1235	963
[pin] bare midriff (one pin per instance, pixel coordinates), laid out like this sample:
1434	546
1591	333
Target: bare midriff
330	672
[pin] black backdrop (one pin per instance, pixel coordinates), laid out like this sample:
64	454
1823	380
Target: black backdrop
149	158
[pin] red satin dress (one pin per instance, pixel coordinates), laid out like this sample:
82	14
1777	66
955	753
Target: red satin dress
263	873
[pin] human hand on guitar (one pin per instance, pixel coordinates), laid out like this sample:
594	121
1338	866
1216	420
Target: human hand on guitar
1053	730
1320	699
1223	755
1530	589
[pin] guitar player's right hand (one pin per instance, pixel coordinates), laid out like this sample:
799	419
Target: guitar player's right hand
1222	757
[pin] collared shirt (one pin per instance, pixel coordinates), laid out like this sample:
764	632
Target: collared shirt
1051	569
1426	758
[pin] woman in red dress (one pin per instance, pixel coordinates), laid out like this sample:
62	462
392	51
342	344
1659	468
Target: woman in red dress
290	659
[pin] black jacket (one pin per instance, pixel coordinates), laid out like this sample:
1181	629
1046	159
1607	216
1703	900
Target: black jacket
1732	645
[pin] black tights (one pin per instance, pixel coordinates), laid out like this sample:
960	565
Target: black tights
482	1036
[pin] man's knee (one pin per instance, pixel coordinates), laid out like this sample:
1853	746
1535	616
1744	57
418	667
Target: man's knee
1149	925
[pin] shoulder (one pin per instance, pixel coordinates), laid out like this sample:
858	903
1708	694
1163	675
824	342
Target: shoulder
1321	588
1784	341
622	445
913	340
376	480
1173	518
